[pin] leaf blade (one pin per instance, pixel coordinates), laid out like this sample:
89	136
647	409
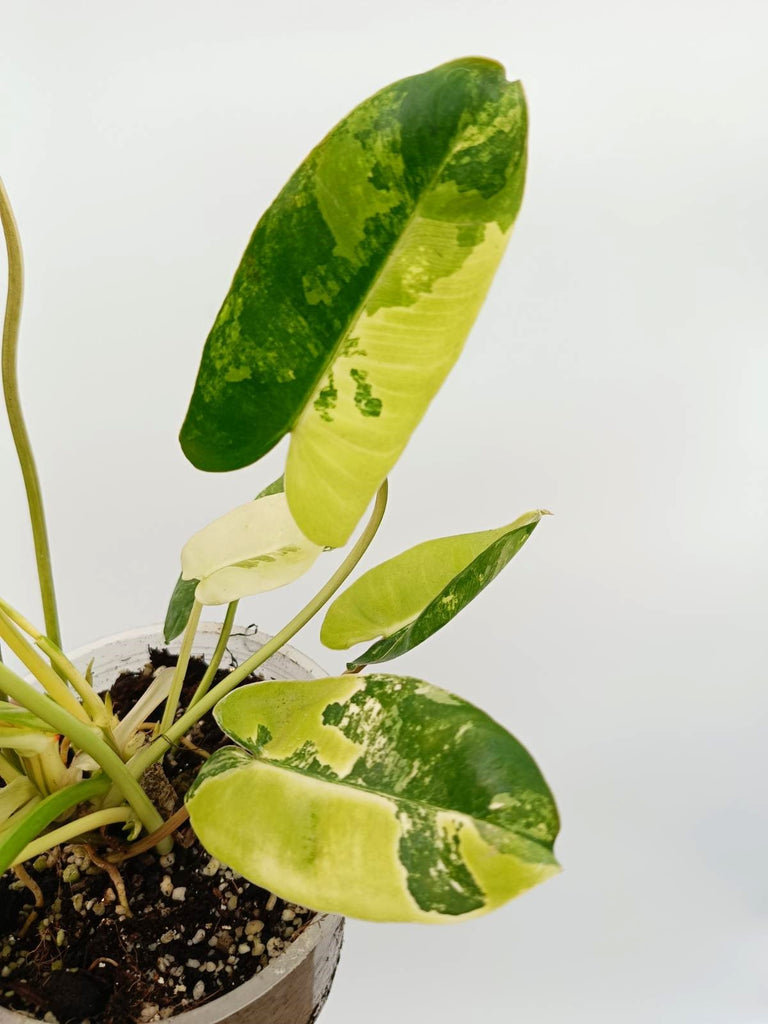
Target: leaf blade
179	608
251	549
408	598
394	223
355	795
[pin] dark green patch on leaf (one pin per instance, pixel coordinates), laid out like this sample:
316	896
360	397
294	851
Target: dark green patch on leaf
364	400
179	608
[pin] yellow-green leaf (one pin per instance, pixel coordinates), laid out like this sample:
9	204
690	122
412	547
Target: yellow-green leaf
380	797
358	288
254	548
409	597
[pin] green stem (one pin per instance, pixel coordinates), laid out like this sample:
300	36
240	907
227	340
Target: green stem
86	737
141	761
8	772
41	670
16	417
172	703
92	701
73	829
43	814
61	662
218	654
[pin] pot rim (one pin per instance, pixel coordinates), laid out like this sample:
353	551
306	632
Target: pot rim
321	930
208	626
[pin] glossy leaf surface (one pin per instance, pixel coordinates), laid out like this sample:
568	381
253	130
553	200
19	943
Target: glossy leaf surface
379	797
409	597
179	608
358	288
254	548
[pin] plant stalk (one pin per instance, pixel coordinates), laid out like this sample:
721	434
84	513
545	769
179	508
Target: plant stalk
16	418
93	703
172	702
88	738
41	670
43	814
155	751
218	654
73	829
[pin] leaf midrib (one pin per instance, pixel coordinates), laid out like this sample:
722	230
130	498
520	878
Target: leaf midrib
391	255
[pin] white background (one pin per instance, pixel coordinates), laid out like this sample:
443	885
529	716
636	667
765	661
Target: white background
617	375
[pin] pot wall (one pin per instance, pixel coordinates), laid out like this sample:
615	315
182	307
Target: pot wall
292	988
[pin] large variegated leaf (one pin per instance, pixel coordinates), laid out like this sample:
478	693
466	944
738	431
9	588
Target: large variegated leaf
377	797
358	288
409	597
254	548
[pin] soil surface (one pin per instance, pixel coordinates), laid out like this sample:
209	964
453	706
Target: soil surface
196	929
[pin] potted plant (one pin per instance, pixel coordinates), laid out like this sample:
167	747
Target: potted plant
372	795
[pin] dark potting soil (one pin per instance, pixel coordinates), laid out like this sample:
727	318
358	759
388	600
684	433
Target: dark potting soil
196	929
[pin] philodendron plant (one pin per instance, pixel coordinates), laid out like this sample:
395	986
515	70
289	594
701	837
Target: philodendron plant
374	795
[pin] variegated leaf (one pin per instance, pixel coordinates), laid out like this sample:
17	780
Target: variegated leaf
409	597
254	548
378	797
183	596
179	608
358	288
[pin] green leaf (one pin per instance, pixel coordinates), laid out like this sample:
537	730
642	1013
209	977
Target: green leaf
43	814
379	797
358	287
276	487
409	597
179	608
20	718
254	548
14	796
24	732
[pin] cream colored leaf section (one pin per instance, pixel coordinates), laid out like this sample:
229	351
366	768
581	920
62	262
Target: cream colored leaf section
338	848
254	548
391	364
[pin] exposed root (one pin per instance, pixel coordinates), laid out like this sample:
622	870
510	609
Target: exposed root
187	742
28	923
101	960
23	876
114	874
174	822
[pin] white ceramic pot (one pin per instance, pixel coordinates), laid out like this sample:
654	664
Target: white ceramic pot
294	986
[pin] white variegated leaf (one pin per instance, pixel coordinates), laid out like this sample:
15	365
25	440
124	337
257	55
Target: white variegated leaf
254	548
380	797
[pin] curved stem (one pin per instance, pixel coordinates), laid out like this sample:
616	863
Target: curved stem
141	761
87	737
218	654
93	703
41	670
16	417
172	703
43	814
73	829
